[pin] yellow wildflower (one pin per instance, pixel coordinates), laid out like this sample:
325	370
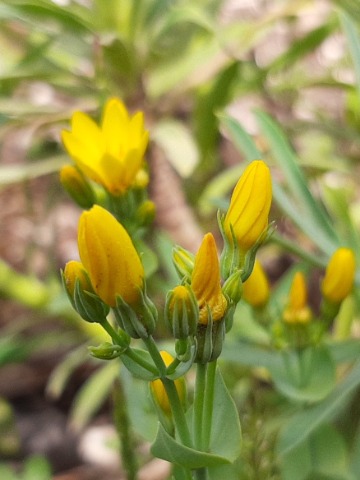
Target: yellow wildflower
109	257
256	288
249	206
339	275
110	154
205	281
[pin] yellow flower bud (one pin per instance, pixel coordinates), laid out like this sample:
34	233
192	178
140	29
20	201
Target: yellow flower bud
339	276
158	391
256	288
249	206
205	281
109	256
110	154
77	186
182	311
74	271
297	310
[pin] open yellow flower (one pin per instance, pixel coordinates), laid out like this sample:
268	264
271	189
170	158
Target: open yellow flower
110	154
205	281
339	275
256	288
109	257
249	206
297	311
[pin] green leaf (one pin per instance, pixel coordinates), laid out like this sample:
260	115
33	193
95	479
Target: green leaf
167	448
225	439
37	468
302	425
323	455
306	376
135	368
296	182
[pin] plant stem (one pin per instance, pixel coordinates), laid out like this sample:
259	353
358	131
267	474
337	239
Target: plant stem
200	383
122	424
208	404
169	385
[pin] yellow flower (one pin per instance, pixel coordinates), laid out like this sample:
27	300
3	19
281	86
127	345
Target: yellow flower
158	391
109	257
249	206
205	281
339	275
256	288
297	311
110	154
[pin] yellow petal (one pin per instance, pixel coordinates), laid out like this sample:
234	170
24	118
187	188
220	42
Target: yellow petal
256	289
115	127
109	257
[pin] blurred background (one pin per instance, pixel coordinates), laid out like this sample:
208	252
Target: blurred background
217	80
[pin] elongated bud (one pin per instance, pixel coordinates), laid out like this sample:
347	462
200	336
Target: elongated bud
256	287
247	216
182	311
339	276
183	262
158	391
77	186
297	310
109	256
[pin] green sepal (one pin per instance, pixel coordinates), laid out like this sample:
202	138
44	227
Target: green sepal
210	339
128	320
88	305
107	351
138	370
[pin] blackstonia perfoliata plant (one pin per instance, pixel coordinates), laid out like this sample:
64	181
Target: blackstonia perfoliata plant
108	286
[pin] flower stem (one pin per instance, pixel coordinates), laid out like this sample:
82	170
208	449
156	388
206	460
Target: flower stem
169	385
199	393
122	423
208	404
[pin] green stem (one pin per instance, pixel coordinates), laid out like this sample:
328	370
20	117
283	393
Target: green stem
208	404
129	352
200	383
123	427
177	412
169	385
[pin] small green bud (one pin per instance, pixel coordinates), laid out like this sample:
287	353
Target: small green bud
233	287
183	262
108	351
